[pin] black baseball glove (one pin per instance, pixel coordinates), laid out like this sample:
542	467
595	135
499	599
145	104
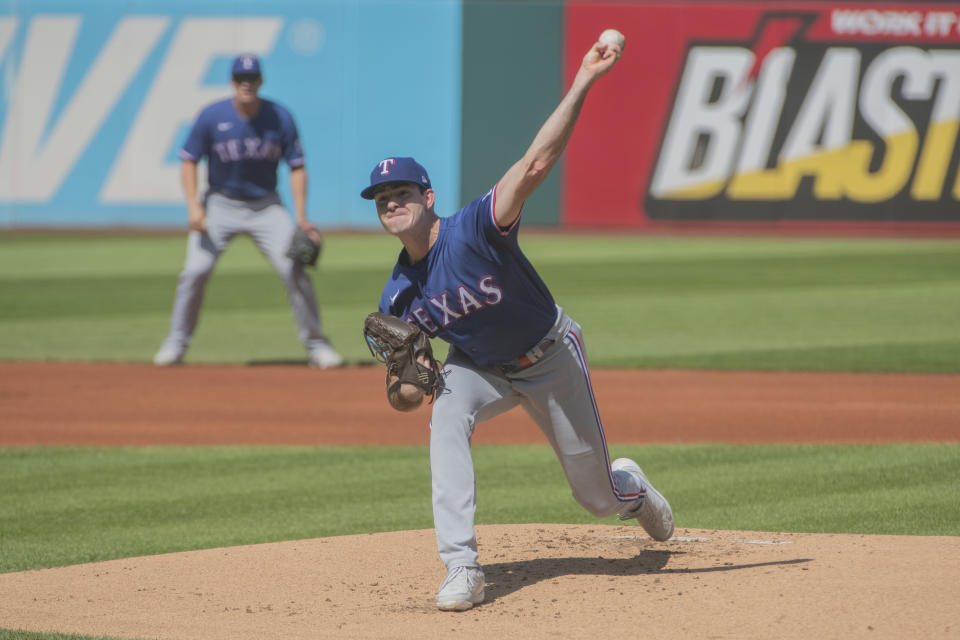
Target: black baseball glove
404	348
303	250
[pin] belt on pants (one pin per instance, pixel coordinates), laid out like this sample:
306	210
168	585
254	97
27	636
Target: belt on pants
527	359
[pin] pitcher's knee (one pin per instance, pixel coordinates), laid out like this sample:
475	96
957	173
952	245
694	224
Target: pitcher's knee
598	504
451	430
287	274
194	277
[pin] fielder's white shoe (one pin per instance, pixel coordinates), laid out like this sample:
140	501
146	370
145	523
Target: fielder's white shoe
323	356
168	356
461	589
652	510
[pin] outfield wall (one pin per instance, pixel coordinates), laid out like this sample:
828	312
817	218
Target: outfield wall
720	113
97	97
769	112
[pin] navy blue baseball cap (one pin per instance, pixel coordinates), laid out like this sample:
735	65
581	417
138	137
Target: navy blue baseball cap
245	64
396	170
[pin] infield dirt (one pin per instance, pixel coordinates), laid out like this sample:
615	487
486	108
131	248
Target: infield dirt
117	404
544	581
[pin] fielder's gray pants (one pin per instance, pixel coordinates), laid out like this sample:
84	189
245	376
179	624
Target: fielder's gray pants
271	228
556	393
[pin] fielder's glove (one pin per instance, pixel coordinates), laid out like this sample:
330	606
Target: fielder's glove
303	250
404	348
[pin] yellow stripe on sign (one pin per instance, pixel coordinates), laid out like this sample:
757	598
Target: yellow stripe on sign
782	182
837	174
862	185
931	173
702	191
845	172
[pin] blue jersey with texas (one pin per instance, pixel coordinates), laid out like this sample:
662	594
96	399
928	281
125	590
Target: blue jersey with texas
242	155
474	289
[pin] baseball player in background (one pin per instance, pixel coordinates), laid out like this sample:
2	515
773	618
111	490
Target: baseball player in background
243	139
464	279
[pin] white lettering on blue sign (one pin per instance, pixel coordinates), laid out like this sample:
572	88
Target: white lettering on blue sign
37	154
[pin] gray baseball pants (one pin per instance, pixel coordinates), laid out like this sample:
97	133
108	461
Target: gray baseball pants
555	392
271	228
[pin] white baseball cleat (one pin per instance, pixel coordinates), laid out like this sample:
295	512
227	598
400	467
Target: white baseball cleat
323	356
168	356
652	510
461	589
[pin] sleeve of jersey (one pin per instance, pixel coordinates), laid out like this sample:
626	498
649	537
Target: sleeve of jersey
293	150
487	223
196	145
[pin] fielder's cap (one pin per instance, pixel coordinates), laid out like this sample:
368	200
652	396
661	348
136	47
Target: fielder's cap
396	170
245	64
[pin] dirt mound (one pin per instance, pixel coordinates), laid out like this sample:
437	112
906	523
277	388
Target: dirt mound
543	581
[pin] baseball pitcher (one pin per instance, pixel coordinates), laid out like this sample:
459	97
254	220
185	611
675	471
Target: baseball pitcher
464	279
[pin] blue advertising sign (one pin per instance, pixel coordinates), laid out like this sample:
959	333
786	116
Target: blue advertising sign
96	99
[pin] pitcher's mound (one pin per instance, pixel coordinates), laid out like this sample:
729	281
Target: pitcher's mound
543	581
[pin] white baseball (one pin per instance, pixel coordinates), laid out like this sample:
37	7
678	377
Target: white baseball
612	36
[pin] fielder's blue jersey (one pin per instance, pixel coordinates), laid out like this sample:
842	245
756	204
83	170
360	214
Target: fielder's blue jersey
474	289
242	155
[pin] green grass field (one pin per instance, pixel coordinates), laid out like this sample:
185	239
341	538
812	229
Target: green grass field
724	303
64	505
878	305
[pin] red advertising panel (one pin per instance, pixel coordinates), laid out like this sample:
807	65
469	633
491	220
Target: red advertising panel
768	112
